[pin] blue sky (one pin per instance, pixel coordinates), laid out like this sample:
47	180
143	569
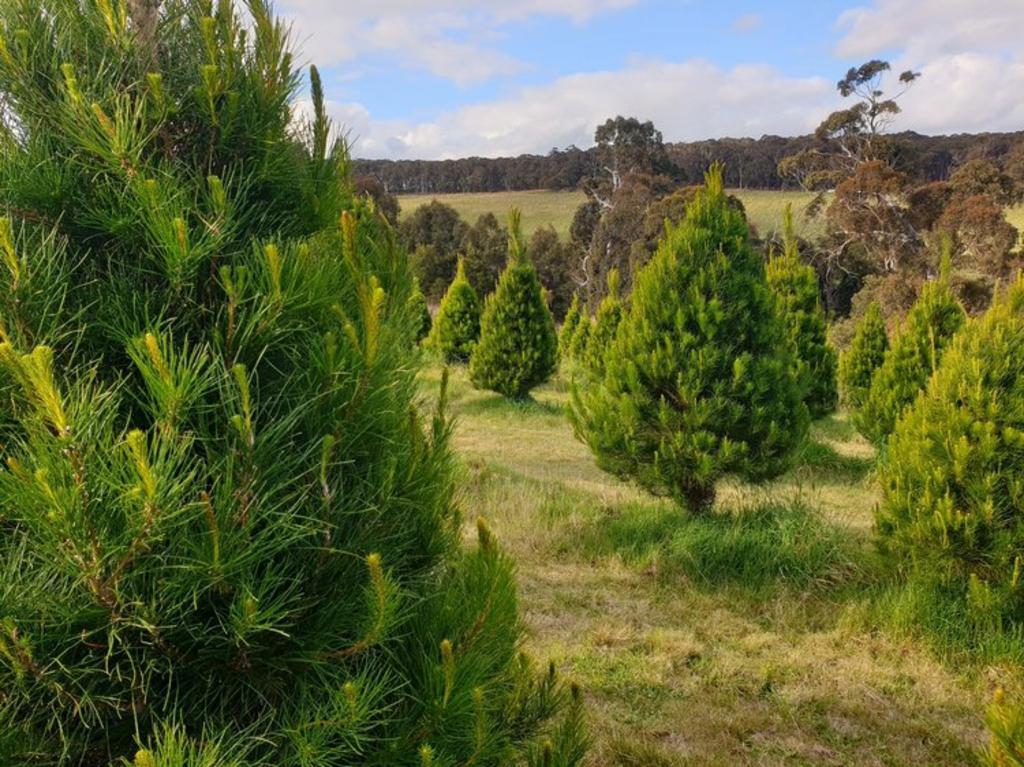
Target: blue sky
446	78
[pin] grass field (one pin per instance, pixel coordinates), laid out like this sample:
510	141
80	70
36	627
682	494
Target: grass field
542	208
743	639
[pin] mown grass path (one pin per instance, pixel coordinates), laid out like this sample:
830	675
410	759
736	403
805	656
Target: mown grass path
744	639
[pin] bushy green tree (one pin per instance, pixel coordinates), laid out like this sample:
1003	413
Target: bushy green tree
953	494
569	325
796	287
700	380
581	335
858	364
1005	720
227	532
930	325
421	310
518	347
457	325
606	324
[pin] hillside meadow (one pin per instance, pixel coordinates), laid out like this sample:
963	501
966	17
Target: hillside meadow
556	208
752	637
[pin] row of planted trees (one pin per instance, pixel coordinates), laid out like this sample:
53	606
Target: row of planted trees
227	531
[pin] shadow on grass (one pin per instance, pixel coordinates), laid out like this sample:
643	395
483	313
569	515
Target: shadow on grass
754	547
496	405
821	459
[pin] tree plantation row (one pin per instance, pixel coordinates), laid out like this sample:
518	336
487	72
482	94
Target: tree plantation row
229	533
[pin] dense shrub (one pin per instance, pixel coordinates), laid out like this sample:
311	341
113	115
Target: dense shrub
953	499
518	347
930	325
227	532
796	287
457	324
606	324
858	364
700	380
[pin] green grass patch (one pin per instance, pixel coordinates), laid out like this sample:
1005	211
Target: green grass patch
753	547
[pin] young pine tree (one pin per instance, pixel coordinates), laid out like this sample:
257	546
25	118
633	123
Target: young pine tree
858	364
227	532
796	287
580	335
420	309
700	381
457	325
569	325
606	324
953	497
930	325
518	347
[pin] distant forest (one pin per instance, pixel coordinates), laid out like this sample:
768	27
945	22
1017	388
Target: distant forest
749	164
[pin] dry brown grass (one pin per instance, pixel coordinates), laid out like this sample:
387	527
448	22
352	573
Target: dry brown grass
679	672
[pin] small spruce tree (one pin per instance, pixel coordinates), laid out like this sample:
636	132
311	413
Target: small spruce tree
457	324
930	325
796	287
952	487
518	347
569	325
699	381
858	364
420	312
606	324
227	529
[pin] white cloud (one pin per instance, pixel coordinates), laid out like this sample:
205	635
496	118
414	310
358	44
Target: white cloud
446	37
687	100
969	54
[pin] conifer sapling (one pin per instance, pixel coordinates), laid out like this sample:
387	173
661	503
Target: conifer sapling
699	381
858	364
457	324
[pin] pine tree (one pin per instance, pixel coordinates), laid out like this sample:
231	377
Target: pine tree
700	381
420	312
518	347
927	330
858	364
581	335
606	324
457	325
227	531
953	499
796	287
569	325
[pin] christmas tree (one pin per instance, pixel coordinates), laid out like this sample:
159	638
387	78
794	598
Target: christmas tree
796	286
227	530
518	347
457	325
700	380
930	325
858	364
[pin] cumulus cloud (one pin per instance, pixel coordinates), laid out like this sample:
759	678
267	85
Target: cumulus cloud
688	100
968	52
447	37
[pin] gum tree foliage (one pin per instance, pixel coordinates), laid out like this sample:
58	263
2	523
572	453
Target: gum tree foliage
915	353
457	325
227	534
953	494
700	381
795	285
858	363
518	346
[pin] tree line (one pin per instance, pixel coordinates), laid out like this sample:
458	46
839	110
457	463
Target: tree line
749	163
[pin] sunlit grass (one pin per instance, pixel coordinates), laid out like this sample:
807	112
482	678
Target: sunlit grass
766	634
